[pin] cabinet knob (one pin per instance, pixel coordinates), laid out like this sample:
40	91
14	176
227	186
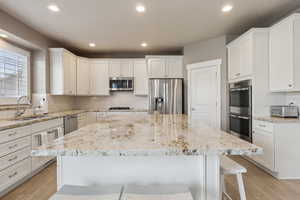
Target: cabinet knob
290	85
238	74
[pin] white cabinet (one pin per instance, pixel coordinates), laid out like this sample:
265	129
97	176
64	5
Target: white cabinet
62	72
99	77
240	56
165	66
284	55
140	77
280	143
83	76
265	140
120	68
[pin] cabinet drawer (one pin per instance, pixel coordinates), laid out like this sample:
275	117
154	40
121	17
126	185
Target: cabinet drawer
265	126
13	146
14	173
13	158
15	133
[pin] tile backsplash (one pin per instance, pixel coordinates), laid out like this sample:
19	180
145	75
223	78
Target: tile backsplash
115	99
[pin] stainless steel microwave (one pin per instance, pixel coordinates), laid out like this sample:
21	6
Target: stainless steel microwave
121	83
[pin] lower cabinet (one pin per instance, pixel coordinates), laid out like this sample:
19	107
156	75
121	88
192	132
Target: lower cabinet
13	174
16	161
280	143
265	140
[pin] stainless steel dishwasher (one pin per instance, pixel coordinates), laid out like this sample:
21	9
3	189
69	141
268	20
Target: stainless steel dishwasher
70	123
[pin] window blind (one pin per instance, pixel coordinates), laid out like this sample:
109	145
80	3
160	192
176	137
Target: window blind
13	74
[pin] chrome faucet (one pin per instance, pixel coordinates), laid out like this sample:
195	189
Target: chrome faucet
20	112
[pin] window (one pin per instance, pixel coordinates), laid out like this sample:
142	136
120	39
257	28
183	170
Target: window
14	73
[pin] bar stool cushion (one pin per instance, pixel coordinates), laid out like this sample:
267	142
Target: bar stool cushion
72	192
228	166
156	192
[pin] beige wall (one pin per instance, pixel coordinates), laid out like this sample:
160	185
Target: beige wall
209	50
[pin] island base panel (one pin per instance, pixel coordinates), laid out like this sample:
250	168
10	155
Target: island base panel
200	173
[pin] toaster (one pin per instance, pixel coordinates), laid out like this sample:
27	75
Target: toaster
285	111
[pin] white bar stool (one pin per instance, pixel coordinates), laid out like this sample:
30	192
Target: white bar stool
230	167
72	192
156	192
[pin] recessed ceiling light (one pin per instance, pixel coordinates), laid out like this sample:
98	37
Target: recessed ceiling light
53	8
92	44
227	8
3	35
140	8
144	44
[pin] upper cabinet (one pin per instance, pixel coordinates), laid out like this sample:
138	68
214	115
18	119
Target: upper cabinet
284	55
99	77
240	57
165	66
121	68
140	77
83	78
62	72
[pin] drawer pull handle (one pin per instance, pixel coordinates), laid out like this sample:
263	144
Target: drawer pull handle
12	134
262	125
12	159
13	146
14	174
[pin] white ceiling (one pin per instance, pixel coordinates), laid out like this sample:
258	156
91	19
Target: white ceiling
114	25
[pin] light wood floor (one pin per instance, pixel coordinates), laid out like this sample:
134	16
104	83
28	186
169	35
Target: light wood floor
259	186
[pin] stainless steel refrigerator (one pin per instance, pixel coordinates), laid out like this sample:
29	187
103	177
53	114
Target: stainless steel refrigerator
166	96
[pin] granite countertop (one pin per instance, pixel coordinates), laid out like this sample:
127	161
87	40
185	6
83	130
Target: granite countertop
107	110
146	135
277	119
11	123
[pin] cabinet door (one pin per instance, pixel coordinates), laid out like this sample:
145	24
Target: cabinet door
140	78
99	78
83	81
114	68
69	65
265	140
126	68
281	56
246	55
174	68
234	61
156	68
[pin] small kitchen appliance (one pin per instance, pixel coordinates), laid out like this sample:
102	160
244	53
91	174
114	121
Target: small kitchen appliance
285	111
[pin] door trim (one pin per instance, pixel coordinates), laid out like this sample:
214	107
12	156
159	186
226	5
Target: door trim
201	65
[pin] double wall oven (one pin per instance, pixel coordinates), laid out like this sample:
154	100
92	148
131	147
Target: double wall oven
240	109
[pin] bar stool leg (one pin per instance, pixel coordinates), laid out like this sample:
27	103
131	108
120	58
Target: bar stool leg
241	186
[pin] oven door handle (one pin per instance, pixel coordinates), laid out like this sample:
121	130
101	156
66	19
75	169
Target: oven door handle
240	117
239	89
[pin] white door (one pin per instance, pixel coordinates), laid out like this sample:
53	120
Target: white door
99	78
83	71
204	94
157	68
281	57
234	61
246	55
114	68
140	78
174	67
126	68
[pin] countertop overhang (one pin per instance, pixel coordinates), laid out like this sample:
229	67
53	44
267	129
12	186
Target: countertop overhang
140	134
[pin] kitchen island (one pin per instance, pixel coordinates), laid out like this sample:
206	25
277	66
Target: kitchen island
145	149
